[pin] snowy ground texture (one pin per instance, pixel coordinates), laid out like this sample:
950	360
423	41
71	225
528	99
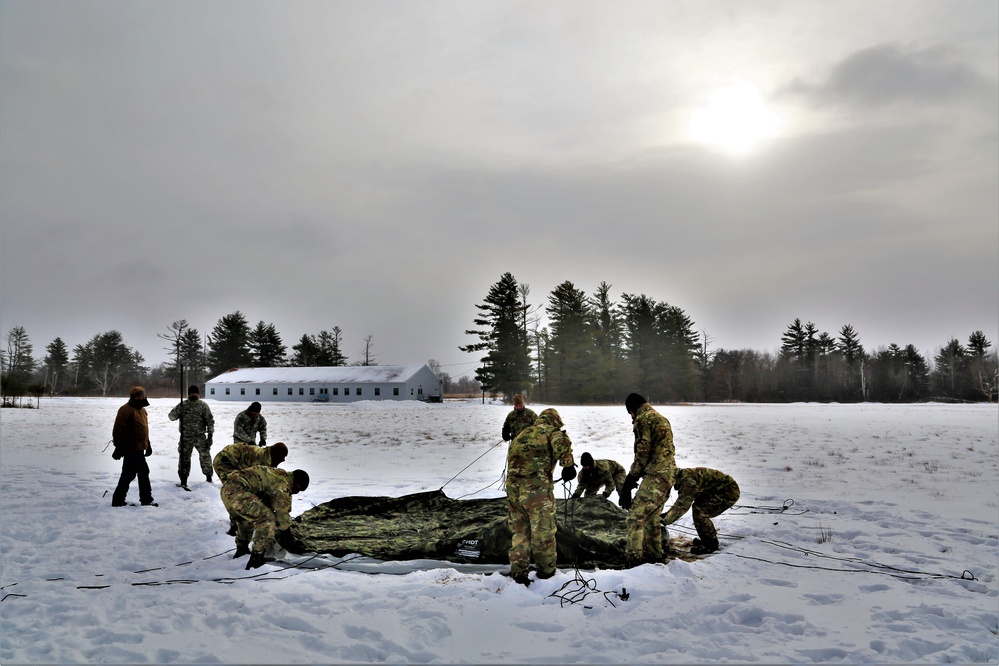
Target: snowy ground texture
887	552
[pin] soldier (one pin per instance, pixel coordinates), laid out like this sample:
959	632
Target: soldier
196	421
707	493
530	462
238	456
260	499
519	418
597	474
131	445
654	464
248	424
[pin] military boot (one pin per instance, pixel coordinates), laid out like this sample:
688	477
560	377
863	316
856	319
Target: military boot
256	560
242	548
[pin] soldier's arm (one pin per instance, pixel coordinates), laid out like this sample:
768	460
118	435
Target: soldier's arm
281	504
643	447
209	421
563	448
680	507
175	412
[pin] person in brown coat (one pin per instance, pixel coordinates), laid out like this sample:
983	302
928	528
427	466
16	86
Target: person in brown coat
131	445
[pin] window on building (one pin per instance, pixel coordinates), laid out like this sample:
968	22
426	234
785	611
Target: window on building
291	391
274	391
420	391
212	390
227	390
258	390
358	390
301	390
336	391
378	390
395	391
346	390
312	390
411	391
242	390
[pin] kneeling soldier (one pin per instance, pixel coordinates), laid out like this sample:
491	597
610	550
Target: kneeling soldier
597	474
239	455
259	498
707	493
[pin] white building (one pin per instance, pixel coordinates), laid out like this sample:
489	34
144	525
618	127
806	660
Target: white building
334	384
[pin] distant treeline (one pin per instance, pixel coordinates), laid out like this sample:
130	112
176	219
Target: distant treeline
592	350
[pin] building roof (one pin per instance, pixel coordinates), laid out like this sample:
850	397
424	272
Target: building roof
350	374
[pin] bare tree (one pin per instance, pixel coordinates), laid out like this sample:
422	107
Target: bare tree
367	354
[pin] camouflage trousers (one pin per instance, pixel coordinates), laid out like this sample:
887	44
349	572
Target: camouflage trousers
186	446
531	519
644	542
708	505
254	519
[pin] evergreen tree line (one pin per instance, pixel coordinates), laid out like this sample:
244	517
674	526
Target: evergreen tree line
593	349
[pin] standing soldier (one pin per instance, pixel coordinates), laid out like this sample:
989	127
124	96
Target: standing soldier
260	499
519	418
131	445
707	493
248	424
530	462
196	421
239	456
654	464
597	474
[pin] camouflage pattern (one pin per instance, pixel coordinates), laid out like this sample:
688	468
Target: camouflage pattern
238	456
710	492
655	464
607	474
245	428
516	421
530	461
259	498
196	421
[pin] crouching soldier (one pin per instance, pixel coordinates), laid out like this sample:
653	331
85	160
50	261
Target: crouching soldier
259	498
240	455
707	493
530	494
597	474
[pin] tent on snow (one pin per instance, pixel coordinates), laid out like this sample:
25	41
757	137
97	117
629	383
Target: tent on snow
432	526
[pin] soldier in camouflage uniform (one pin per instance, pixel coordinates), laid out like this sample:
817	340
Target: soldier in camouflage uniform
196	421
248	424
519	418
260	499
530	462
239	456
654	464
597	474
707	493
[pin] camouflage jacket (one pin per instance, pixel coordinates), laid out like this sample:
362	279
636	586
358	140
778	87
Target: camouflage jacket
131	428
271	484
696	483
195	418
245	429
654	453
516	422
604	473
239	456
533	453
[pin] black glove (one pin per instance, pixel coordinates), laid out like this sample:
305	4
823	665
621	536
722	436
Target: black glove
262	442
630	483
624	499
209	439
568	473
149	450
506	433
116	454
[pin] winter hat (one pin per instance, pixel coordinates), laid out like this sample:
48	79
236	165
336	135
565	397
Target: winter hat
300	478
587	460
633	402
137	392
518	400
254	407
193	388
279	452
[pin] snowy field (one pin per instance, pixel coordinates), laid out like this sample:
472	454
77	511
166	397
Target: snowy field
886	552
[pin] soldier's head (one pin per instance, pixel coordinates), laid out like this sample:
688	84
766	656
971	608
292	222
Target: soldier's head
254	409
586	460
518	402
552	417
279	453
193	392
300	481
137	396
632	403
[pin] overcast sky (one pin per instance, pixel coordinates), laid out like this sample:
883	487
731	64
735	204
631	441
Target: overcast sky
377	166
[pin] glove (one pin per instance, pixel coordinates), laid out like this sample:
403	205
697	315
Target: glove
149	450
209	439
568	473
630	483
624	500
262	442
116	454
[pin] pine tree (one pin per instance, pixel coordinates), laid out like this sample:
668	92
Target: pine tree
506	366
265	345
306	352
570	362
229	344
56	364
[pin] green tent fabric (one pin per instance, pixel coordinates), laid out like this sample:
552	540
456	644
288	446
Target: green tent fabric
430	525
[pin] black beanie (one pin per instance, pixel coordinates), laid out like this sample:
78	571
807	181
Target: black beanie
300	478
587	460
254	407
193	388
633	402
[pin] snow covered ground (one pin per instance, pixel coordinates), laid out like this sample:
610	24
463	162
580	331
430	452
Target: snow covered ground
886	553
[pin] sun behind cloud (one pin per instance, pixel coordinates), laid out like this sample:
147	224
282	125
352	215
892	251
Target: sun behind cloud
735	119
